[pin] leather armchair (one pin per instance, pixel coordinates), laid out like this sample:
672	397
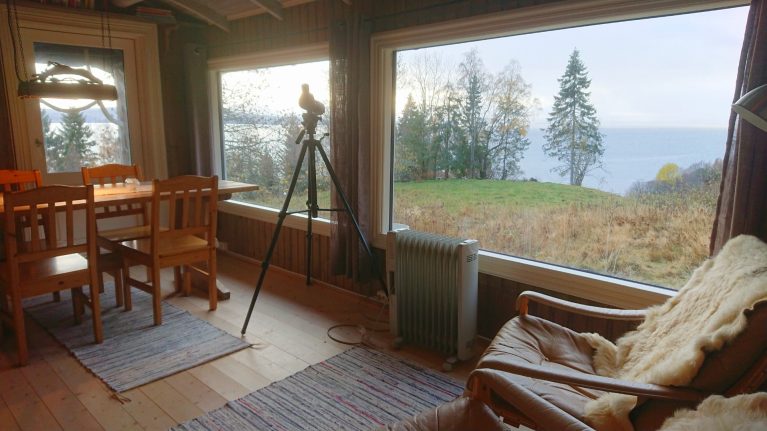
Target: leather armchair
539	374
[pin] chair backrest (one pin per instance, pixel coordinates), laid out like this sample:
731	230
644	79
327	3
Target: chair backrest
192	208
739	367
112	175
14	181
37	209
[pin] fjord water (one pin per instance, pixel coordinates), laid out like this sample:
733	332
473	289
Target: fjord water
632	154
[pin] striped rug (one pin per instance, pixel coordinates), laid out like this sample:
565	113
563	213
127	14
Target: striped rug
359	389
134	352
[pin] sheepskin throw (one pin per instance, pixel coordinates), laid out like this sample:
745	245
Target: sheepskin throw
669	347
716	413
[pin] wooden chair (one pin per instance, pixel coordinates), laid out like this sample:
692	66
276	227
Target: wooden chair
12	180
186	236
40	263
112	175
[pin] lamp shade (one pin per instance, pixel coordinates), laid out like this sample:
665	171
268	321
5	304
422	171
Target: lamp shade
752	107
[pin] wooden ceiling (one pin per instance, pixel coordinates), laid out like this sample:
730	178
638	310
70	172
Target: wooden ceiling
220	12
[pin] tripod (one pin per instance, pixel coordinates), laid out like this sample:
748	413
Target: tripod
310	146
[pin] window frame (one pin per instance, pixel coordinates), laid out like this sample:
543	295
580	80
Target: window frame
270	58
144	100
600	288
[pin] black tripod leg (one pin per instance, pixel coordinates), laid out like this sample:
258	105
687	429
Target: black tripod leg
348	208
275	237
311	205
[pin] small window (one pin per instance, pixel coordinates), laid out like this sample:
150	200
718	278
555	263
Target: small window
260	122
84	132
597	148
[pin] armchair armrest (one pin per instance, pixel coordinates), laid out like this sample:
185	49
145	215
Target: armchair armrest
585	310
648	390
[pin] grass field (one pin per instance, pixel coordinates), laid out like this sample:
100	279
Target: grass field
658	239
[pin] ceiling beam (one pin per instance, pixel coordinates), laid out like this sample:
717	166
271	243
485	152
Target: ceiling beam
200	11
274	7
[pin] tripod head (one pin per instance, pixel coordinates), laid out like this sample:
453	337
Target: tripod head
314	110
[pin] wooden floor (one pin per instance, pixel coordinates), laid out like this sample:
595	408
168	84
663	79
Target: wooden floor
288	329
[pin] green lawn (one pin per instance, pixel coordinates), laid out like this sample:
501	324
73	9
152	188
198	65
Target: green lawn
456	194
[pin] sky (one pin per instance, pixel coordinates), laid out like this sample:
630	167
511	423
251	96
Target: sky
676	71
284	87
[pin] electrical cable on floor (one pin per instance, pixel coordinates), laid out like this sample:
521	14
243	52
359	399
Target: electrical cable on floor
363	330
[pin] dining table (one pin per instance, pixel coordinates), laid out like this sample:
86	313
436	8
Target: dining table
123	194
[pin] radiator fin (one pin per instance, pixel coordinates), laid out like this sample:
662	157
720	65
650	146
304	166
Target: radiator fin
427	280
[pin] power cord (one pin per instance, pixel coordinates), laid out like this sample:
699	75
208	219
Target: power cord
361	328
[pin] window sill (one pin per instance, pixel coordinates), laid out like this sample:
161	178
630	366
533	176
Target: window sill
594	287
320	226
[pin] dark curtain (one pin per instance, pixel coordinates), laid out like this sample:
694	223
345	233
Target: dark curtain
198	106
742	206
350	136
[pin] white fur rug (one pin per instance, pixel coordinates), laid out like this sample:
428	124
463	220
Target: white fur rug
669	347
715	413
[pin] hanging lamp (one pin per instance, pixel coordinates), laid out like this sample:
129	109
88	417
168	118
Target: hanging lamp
58	81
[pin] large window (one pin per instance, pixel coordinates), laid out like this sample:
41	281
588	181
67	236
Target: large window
597	148
260	122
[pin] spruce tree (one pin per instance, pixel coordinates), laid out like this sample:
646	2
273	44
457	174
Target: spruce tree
411	150
572	136
76	142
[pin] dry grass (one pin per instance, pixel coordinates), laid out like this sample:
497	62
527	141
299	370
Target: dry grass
657	239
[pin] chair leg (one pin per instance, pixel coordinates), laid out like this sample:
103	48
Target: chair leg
126	286
178	279
156	295
101	281
95	301
117	275
212	288
187	280
77	304
20	331
56	297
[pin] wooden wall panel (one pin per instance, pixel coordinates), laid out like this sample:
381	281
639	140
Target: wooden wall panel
7	159
391	15
497	305
251	238
308	23
301	25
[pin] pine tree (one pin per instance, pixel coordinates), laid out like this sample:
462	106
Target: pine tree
76	142
572	136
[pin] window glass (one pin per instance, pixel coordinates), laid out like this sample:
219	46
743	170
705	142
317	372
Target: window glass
84	132
261	121
598	148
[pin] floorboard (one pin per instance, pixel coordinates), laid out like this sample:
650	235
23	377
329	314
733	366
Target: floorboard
288	330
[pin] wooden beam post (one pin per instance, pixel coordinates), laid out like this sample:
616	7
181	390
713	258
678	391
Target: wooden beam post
274	7
200	11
